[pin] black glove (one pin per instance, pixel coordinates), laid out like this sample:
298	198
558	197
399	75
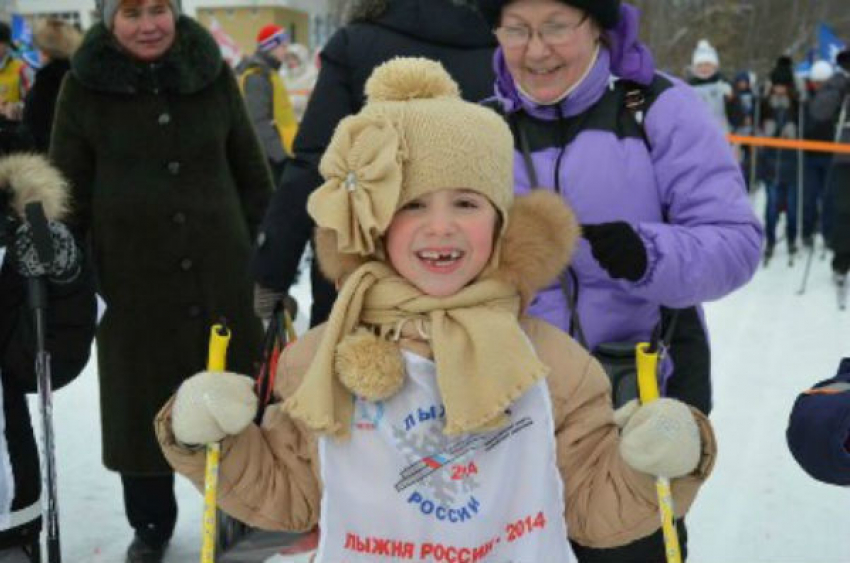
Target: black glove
617	248
65	266
267	299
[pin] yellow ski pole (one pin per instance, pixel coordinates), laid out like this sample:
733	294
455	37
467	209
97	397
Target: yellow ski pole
219	339
647	373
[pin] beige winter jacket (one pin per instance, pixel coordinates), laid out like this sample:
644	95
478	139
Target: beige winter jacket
269	475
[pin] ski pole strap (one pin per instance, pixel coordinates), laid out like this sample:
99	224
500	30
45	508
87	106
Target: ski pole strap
219	339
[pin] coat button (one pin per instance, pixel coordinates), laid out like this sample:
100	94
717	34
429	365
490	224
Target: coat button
164	119
179	218
194	311
186	264
174	167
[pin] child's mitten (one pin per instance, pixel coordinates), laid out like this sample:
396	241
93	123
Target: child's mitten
624	414
211	405
662	439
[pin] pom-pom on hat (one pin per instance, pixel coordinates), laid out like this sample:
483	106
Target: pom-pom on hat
605	12
414	136
271	36
705	53
821	71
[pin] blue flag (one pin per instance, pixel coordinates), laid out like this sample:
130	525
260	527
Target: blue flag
22	40
829	45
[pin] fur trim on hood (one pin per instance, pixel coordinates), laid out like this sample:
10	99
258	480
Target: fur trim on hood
28	178
539	241
192	63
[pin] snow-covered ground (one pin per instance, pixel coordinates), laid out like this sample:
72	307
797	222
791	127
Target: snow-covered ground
759	507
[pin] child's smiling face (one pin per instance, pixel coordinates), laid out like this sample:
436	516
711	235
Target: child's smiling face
442	240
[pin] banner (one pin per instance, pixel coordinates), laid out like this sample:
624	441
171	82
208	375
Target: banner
229	49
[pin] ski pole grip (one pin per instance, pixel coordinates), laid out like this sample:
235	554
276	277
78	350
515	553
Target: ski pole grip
219	339
647	373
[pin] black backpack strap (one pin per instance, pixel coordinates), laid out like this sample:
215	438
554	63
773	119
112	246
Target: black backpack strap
521	135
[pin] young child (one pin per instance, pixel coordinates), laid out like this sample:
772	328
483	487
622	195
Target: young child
428	419
819	429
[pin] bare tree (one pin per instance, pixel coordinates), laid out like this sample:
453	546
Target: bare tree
748	34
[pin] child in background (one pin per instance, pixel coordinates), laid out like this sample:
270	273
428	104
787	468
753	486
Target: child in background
428	418
819	429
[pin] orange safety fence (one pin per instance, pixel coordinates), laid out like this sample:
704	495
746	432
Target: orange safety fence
771	142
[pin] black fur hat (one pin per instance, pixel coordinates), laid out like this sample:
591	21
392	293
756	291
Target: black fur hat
782	72
605	12
843	59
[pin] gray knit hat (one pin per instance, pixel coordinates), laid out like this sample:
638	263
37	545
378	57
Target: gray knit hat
107	9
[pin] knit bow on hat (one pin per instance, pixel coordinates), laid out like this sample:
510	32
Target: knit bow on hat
363	175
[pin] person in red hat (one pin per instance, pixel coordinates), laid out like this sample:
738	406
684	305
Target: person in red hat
266	96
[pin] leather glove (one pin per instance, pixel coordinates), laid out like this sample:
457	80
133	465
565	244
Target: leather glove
65	266
618	249
661	439
265	300
212	405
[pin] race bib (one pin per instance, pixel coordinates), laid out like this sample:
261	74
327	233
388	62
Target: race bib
400	490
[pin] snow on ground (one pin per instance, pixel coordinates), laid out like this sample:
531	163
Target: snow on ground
758	507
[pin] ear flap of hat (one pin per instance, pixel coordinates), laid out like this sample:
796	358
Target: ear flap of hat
539	240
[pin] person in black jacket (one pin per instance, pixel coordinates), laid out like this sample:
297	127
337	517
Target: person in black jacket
817	213
832	102
448	31
71	313
56	40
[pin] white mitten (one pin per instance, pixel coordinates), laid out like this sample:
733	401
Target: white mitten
625	413
662	439
212	405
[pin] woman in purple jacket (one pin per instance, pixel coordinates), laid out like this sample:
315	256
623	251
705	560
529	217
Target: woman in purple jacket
666	221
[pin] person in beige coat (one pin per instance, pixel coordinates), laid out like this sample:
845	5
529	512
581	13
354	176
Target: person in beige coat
428	418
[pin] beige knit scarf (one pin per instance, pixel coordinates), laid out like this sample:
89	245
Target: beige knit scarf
484	360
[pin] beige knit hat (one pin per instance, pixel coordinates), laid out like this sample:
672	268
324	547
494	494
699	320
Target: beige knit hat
414	136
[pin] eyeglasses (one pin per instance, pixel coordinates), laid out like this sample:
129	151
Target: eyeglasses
551	33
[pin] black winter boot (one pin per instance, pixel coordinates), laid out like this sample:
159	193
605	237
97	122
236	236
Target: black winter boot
140	551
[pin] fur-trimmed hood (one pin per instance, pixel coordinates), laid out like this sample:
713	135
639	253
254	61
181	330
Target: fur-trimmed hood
536	247
28	178
192	63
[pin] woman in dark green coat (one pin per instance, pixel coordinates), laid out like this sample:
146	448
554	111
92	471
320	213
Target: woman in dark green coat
169	184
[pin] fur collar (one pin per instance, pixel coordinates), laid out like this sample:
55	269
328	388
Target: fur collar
191	64
538	243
